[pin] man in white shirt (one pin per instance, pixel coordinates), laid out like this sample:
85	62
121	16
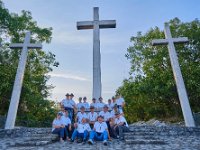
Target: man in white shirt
113	101
85	103
94	103
92	116
100	104
115	109
81	115
109	104
82	131
107	117
67	123
79	103
120	102
100	132
120	126
58	126
69	105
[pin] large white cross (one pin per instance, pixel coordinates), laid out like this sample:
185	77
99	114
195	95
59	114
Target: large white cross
169	41
12	112
96	24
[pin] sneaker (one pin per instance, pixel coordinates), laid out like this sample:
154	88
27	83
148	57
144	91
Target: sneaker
90	142
105	143
79	141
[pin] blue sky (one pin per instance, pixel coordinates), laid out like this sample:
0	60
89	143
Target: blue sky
73	48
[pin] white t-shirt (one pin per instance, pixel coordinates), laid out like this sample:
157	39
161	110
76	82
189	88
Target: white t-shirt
112	113
94	104
82	127
113	104
109	106
106	115
100	105
92	117
119	101
57	122
86	105
100	127
79	105
121	119
80	116
66	121
68	103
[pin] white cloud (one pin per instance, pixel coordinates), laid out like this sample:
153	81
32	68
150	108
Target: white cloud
68	76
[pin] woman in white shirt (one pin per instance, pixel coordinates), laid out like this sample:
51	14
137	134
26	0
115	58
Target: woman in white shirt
58	126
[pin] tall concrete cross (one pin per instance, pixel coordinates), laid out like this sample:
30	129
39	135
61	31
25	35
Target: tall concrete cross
12	112
169	41
96	24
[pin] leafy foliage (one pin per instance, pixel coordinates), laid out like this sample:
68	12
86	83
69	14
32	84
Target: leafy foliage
151	91
33	101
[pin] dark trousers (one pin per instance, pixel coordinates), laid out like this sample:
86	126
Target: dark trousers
119	131
59	131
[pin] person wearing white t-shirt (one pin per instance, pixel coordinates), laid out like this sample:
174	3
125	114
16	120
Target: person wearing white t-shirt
109	104
120	126
85	103
94	103
116	109
113	102
92	116
80	103
82	131
58	126
99	132
81	115
120	102
67	123
100	104
69	105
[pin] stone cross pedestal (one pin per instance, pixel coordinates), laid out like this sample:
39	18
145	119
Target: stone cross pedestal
96	24
169	41
12	112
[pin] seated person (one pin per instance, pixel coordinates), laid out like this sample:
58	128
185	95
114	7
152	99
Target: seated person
58	126
67	123
107	117
94	103
81	115
85	103
99	132
92	116
100	104
82	131
62	110
80	103
116	109
120	126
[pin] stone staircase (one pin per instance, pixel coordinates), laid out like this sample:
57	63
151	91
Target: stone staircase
160	135
22	137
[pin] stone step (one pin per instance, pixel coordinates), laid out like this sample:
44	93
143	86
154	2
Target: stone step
143	141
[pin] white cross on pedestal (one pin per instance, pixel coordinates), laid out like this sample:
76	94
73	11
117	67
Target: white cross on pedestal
96	25
169	41
12	112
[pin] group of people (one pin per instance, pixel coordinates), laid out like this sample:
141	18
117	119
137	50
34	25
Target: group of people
84	122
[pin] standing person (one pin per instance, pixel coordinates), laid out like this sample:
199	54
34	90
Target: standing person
120	102
110	104
81	115
85	103
92	116
120	126
99	132
58	126
80	103
82	131
67	123
94	103
69	105
113	101
100	104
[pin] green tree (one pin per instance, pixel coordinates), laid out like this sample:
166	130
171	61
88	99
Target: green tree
151	91
33	101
